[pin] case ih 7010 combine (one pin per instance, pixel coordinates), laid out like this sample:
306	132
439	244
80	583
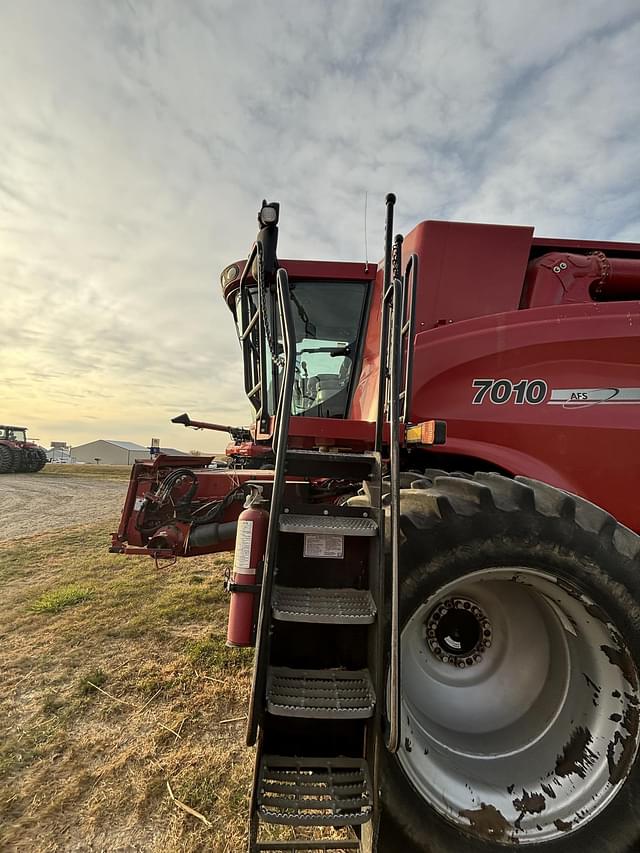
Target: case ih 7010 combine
435	553
17	455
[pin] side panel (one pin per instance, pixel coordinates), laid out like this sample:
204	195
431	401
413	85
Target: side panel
465	271
577	427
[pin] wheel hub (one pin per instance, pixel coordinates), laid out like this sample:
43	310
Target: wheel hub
458	632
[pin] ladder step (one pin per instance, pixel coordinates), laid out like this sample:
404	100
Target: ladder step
327	524
326	606
320	693
314	792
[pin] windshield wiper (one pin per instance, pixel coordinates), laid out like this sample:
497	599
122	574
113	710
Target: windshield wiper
334	353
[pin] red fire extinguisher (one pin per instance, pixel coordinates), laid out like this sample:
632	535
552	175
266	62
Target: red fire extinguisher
251	540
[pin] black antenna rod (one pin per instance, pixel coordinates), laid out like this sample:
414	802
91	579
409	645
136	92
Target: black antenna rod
388	240
384	323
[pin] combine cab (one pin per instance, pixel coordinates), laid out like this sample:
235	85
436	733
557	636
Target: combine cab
435	520
17	455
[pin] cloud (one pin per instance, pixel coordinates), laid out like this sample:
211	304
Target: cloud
139	137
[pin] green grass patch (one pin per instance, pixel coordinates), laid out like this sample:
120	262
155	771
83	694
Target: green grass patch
91	680
57	599
212	654
201	791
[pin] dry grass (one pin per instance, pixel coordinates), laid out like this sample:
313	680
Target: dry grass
115	680
102	472
106	698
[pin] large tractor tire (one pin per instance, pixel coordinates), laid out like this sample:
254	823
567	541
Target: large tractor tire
520	639
8	460
30	460
23	461
39	459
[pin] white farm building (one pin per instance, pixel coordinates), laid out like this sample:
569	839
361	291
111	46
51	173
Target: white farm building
116	452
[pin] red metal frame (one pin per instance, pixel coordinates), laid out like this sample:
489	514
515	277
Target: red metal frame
212	484
471	323
494	304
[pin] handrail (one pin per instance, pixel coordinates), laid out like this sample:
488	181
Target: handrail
410	290
250	327
397	323
281	433
263	412
384	323
247	325
395	361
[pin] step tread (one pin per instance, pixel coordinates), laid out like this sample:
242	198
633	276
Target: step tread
320	693
328	524
314	791
326	606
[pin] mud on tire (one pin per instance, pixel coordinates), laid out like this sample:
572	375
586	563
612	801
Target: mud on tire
548	561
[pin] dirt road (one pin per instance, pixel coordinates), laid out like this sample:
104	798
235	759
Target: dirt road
40	503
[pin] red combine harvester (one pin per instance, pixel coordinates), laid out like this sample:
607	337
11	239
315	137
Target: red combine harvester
435	554
17	455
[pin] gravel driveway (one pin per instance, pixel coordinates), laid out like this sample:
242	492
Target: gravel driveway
39	503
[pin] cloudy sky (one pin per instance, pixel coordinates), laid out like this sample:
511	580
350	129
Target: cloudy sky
137	138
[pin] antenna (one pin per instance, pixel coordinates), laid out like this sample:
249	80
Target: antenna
366	251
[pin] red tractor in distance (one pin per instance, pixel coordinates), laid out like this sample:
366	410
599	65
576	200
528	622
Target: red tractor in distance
17	455
436	548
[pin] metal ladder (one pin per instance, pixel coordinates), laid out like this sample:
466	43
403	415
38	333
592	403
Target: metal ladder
319	671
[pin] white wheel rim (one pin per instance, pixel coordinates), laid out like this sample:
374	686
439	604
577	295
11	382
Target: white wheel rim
536	732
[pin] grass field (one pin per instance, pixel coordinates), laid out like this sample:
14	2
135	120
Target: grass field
103	472
118	697
116	680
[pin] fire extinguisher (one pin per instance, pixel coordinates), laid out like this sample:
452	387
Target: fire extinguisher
251	540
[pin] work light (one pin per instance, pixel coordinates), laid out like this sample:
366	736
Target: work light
269	214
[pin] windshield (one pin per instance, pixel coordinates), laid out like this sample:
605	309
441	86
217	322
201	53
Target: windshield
327	317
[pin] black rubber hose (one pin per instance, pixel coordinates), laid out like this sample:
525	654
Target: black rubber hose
210	534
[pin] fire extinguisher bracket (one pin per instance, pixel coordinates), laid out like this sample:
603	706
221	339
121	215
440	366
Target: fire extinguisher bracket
253	588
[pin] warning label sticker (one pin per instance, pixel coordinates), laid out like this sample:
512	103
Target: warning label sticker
323	545
242	558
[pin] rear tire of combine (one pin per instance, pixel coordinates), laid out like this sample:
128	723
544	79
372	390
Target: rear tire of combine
520	620
7	460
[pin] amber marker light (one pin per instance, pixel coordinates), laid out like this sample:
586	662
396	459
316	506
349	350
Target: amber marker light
427	432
